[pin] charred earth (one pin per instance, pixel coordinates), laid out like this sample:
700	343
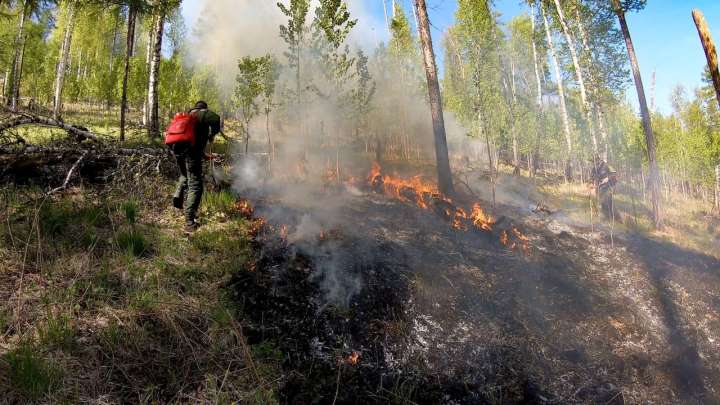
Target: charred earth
383	300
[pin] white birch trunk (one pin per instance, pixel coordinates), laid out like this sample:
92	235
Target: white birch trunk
17	59
578	73
148	59
535	59
153	105
63	60
561	95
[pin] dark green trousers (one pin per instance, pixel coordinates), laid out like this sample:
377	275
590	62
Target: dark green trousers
190	184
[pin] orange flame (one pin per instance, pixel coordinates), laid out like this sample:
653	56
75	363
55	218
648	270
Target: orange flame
481	219
419	192
353	358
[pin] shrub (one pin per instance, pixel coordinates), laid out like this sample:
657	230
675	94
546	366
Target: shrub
132	242
56	332
55	218
30	375
130	209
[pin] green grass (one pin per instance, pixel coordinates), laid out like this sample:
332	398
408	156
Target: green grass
31	376
133	242
130	209
145	301
56	332
55	218
222	201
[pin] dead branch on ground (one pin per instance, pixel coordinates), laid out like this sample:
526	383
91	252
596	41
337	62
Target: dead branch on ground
20	119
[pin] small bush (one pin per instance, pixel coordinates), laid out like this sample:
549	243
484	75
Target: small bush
132	242
130	209
56	332
30	375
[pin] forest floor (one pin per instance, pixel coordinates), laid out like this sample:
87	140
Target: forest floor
104	300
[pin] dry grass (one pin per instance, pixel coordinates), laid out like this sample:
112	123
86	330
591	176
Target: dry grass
104	300
688	221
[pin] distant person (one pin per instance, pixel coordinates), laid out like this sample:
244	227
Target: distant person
605	180
190	154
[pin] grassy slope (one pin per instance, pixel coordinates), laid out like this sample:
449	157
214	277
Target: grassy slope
103	299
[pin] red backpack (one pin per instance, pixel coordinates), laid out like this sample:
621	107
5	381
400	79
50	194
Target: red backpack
181	129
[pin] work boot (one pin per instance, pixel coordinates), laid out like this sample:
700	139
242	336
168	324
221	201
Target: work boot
191	227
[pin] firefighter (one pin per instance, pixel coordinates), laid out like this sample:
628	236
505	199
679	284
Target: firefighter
190	163
604	178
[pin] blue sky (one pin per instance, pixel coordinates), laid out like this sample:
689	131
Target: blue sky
664	34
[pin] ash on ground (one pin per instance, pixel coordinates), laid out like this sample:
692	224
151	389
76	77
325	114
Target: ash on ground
382	302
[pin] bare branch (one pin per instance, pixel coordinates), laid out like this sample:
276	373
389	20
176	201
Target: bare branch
29	119
69	175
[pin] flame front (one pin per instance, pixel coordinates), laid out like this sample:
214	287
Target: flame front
353	358
422	193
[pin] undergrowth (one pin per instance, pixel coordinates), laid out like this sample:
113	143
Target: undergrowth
103	299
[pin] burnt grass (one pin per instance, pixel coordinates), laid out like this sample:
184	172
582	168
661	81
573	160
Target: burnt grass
447	316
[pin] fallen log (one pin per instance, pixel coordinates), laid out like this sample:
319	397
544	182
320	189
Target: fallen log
93	162
80	133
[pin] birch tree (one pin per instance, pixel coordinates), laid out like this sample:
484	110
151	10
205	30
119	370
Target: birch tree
561	95
570	41
63	57
154	74
129	47
18	57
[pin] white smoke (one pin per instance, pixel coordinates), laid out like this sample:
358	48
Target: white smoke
223	31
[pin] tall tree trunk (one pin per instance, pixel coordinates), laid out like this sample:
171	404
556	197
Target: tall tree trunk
18	56
646	120
111	60
132	14
153	104
539	96
710	50
513	129
445	182
596	104
535	59
148	59
561	95
578	74
63	60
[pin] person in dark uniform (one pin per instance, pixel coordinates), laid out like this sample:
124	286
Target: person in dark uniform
188	194
605	179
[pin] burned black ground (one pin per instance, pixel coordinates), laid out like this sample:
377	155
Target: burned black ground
448	316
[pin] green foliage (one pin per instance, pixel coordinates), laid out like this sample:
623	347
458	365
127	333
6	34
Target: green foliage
133	242
31	375
256	77
55	218
130	209
222	201
56	332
